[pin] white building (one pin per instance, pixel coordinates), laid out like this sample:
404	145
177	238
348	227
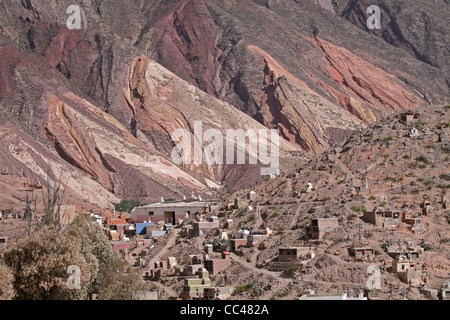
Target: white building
169	212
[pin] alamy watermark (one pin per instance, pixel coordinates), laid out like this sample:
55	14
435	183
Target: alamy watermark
212	153
75	19
374	281
374	21
74	280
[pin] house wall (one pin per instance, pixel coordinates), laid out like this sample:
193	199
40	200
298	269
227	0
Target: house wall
291	254
204	226
214	266
141	214
122	245
319	227
235	243
370	217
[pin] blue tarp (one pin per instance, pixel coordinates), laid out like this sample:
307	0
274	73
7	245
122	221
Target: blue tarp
141	228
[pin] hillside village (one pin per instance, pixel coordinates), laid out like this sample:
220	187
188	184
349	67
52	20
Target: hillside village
379	199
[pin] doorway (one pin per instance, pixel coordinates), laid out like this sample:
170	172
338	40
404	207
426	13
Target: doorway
169	217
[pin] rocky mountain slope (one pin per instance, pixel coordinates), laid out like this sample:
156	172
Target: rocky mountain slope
381	167
63	136
99	106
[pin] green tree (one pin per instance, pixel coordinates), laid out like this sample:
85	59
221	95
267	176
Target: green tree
126	205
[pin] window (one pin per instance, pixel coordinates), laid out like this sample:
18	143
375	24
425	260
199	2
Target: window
150	213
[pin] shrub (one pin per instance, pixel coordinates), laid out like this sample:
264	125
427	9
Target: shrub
244	287
126	205
274	215
423	159
283	294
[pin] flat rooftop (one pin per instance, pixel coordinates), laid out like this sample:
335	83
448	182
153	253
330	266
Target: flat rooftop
176	204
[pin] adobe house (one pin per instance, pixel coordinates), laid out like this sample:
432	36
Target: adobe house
409	252
203	227
163	268
168	212
407	116
214	266
121	245
320	227
115	222
243	238
287	255
362	252
193	287
410	218
236	243
194	259
190	270
407	271
383	219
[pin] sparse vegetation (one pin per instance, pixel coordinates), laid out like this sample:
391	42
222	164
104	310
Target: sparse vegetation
274	215
244	287
126	205
423	159
283	294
